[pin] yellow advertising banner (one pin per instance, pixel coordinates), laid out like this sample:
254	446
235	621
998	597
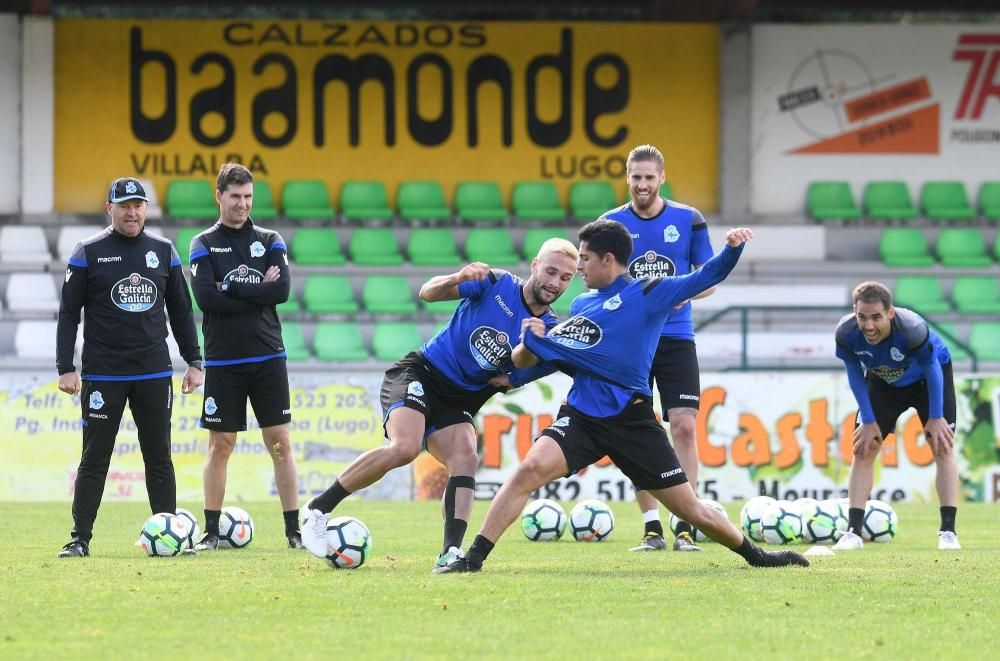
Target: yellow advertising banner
387	101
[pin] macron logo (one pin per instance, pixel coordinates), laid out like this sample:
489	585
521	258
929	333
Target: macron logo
116	258
503	306
228	249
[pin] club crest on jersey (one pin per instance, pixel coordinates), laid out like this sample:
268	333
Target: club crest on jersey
210	405
670	234
256	249
490	347
613	303
134	293
896	354
96	400
244	273
651	264
152	261
577	333
415	388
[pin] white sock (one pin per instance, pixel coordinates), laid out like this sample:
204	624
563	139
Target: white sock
651	515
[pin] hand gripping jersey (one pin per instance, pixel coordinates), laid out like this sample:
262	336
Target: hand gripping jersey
477	342
911	352
241	324
671	243
612	334
123	285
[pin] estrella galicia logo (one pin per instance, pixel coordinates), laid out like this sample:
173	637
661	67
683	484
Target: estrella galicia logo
670	234
577	333
651	264
210	406
415	388
96	400
256	249
244	273
896	354
134	293
613	303
490	347
152	261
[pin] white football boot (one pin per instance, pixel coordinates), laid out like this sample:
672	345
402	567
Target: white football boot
948	541
312	525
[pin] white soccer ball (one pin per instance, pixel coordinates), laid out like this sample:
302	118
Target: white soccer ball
699	536
235	528
802	504
195	529
164	534
823	522
543	520
751	514
880	522
781	523
591	521
348	542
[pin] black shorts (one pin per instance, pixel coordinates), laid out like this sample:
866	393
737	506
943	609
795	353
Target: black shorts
634	439
890	402
675	371
416	384
227	388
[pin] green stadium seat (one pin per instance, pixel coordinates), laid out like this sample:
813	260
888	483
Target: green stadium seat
492	246
962	248
365	200
984	340
307	200
316	246
388	294
393	340
479	202
263	201
889	200
375	246
183	242
295	341
957	353
831	200
989	200
588	200
329	294
339	342
946	200
904	247
433	247
974	294
535	237
537	200
996	247
291	306
191	198
562	304
441	308
922	293
422	200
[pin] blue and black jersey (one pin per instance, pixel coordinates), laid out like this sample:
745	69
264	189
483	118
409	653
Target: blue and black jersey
912	352
476	344
673	242
612	334
126	287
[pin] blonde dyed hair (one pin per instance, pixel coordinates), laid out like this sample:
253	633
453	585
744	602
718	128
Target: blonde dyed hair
559	246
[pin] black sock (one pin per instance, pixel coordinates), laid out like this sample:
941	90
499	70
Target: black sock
454	529
948	515
329	499
684	526
855	519
212	522
291	522
749	551
479	551
454	533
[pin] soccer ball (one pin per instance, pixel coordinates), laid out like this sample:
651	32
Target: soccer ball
591	521
195	530
803	504
880	522
823	522
348	543
699	536
543	520
164	534
781	523
235	528
751	514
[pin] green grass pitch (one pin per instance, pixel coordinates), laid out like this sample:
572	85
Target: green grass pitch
559	599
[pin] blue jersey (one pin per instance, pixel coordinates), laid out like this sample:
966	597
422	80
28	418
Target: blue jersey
673	242
477	342
910	353
612	333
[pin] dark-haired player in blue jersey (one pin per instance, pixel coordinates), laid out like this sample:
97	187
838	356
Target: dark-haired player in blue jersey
608	343
431	396
894	361
668	239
